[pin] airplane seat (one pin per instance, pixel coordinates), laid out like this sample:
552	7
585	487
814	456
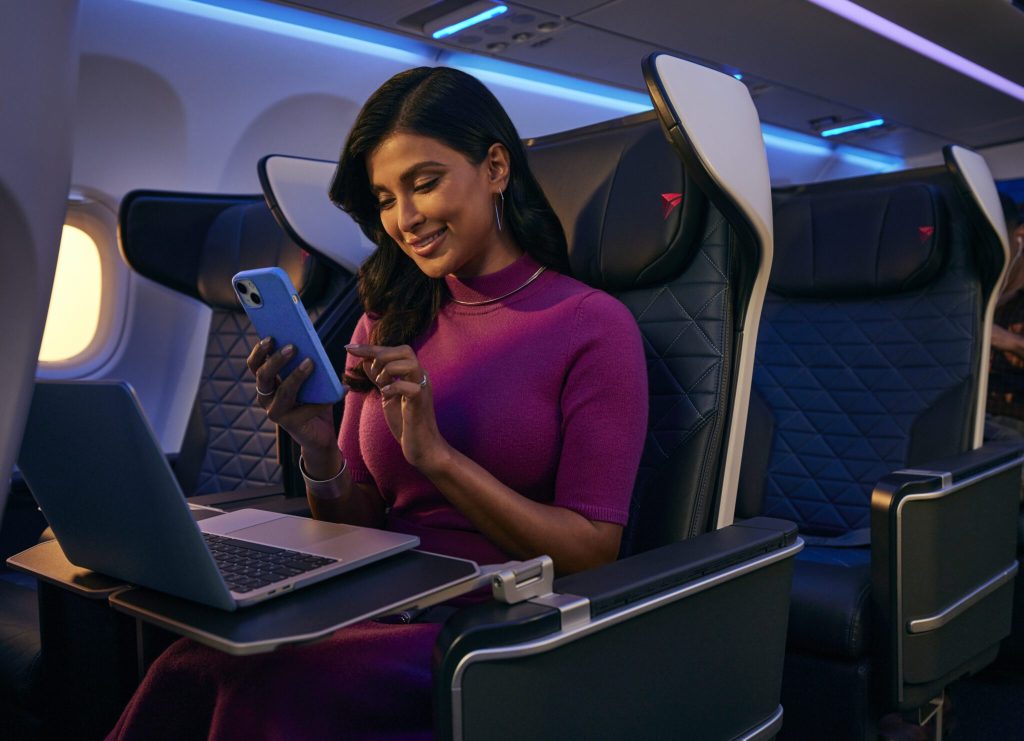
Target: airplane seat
640	229
866	408
623	651
194	244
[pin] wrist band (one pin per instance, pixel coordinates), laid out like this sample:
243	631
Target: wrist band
322	487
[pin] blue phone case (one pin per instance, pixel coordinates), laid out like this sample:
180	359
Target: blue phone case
282	316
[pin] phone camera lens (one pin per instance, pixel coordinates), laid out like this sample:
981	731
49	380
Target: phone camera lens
256	298
242	288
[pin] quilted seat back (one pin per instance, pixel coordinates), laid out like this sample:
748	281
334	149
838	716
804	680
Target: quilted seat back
193	244
868	355
639	228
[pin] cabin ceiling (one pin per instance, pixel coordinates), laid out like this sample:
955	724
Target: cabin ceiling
801	63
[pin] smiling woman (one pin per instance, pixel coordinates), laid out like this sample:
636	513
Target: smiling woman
443	116
440	208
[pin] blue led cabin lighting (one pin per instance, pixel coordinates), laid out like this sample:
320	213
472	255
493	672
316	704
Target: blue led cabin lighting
478	18
287	21
786	140
853	127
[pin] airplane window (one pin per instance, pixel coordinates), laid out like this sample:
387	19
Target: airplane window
74	313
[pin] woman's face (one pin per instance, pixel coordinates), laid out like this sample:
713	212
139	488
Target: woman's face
439	207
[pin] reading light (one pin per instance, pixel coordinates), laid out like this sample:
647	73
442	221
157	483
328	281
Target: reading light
469	15
910	40
856	126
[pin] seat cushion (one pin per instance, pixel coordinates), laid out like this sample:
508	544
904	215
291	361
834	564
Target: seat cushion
830	608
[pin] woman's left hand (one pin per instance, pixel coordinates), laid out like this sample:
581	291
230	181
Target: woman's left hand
407	401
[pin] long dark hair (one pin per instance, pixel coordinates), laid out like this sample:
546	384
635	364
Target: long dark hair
459	111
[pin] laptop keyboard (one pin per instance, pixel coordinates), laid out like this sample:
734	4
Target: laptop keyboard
247	566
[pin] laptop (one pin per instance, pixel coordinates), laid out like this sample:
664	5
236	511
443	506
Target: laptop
101	479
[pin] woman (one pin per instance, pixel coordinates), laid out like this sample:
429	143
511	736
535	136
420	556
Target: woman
497	410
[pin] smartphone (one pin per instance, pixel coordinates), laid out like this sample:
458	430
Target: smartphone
275	310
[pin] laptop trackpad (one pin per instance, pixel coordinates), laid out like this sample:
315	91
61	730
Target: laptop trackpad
292	532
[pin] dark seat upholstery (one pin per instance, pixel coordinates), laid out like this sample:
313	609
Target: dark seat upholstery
869	360
193	245
676	269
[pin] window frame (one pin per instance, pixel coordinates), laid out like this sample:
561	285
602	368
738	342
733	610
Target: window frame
92	213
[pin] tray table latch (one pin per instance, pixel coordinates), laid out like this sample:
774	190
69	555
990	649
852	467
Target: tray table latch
524	581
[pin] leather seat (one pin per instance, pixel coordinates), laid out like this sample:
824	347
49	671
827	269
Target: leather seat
867	384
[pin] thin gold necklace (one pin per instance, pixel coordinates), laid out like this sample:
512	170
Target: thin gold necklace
529	280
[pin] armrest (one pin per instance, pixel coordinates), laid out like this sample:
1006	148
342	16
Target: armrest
943	547
613	650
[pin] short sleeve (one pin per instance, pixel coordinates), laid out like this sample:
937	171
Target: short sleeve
348	435
604	411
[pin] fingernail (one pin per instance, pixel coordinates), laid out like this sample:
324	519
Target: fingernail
265	341
288	351
306	364
352	346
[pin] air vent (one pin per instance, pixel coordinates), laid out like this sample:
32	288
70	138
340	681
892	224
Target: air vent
515	29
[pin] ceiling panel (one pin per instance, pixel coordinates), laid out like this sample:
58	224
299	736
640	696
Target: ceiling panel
813	51
980	30
815	63
899	140
984	133
593	53
379	12
566	8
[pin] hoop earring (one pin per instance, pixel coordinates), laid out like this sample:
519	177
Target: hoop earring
497	216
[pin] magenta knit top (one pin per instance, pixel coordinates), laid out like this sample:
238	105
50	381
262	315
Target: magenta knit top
545	389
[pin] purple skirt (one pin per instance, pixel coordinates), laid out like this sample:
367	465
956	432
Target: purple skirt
368	681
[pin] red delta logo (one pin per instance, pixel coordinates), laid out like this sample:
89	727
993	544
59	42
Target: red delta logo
668	203
925	233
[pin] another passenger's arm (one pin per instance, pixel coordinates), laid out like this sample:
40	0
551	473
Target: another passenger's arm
1004	339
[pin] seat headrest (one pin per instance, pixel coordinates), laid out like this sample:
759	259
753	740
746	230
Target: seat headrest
243	237
631	216
858	242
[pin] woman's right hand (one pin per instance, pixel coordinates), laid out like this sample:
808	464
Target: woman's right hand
310	425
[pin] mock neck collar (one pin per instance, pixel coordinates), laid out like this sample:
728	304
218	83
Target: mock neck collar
492	285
